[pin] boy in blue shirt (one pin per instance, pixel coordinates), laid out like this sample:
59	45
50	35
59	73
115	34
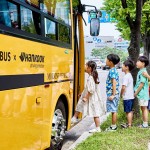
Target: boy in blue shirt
112	89
141	89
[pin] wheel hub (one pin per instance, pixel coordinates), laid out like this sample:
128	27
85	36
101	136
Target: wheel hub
58	127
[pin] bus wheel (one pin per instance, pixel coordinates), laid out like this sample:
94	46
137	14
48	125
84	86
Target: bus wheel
58	126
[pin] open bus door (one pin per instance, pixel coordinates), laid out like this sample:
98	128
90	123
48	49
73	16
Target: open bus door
79	50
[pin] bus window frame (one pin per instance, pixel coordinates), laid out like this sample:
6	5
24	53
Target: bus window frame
35	37
55	28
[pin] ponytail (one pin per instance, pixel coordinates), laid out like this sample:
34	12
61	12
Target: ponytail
95	76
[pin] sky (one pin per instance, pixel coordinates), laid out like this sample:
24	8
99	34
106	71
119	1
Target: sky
106	29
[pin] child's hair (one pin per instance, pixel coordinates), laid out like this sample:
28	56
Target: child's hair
144	59
129	63
93	66
113	58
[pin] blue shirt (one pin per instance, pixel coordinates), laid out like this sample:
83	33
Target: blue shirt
144	93
113	74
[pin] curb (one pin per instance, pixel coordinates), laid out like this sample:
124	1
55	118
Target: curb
83	137
86	134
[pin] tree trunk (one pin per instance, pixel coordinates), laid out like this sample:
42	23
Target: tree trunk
134	47
146	45
134	50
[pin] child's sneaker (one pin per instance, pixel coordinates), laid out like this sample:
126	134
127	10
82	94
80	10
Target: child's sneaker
74	120
111	129
95	130
142	126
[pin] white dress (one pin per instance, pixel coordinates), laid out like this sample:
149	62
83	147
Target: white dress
94	106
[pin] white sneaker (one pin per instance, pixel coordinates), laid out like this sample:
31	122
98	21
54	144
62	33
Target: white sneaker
74	120
111	129
95	130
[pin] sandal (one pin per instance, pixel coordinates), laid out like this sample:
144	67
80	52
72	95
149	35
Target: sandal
126	125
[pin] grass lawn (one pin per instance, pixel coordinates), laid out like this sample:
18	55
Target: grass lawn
123	139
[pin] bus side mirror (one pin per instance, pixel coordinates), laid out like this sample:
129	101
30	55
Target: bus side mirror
94	27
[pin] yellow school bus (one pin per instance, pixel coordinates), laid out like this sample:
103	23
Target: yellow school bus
41	72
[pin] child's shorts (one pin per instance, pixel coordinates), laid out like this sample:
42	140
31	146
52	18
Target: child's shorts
128	105
148	107
112	105
143	102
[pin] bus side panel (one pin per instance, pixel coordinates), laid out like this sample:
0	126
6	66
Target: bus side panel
28	75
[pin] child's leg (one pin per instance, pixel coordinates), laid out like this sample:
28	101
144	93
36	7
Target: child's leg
144	109
114	118
112	106
144	113
129	118
97	121
76	114
74	118
128	106
97	124
79	108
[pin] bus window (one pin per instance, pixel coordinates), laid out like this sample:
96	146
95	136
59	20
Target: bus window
48	7
8	14
34	3
63	33
58	9
63	11
30	21
50	29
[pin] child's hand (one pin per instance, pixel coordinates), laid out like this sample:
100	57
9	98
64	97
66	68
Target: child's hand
84	99
111	97
135	94
79	95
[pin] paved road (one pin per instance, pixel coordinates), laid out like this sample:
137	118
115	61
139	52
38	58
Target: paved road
87	123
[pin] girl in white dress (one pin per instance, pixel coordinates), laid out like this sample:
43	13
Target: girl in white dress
90	102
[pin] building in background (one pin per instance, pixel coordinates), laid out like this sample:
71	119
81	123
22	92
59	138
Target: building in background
97	43
121	44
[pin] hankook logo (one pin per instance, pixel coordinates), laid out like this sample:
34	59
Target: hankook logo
31	57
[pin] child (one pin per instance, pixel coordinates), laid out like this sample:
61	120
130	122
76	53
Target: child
90	102
112	89
127	92
145	74
141	89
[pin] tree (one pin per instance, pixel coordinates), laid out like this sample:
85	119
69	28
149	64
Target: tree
103	52
128	14
120	13
145	29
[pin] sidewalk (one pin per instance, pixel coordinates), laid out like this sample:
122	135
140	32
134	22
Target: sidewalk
74	133
86	134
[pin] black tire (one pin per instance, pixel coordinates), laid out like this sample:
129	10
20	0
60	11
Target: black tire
60	106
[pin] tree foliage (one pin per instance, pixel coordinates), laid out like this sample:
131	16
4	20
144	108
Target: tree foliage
103	52
116	11
114	7
75	3
145	18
